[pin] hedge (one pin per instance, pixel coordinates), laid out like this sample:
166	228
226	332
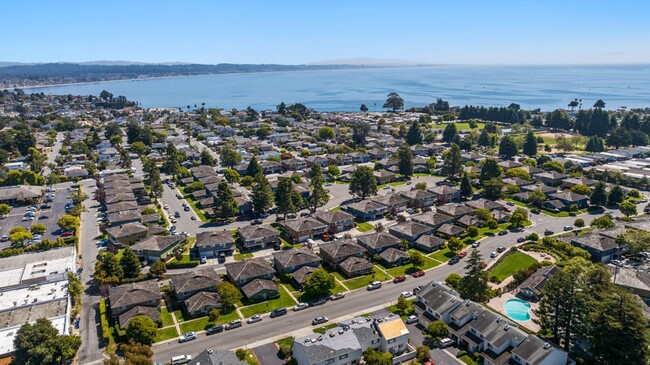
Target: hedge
182	265
104	321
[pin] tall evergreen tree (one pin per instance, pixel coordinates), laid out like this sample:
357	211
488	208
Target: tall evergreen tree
318	195
452	165
530	144
253	168
616	195
405	160
595	144
155	183
363	182
229	157
287	199
484	139
490	169
474	285
130	263
171	165
450	133
414	135
466	189
262	195
226	204
508	148
599	194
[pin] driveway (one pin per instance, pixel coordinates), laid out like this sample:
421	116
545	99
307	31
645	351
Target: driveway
268	355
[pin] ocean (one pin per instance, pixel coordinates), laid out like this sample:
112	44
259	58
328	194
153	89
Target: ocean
544	87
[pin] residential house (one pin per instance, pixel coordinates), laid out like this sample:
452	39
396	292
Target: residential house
394	257
409	231
303	228
294	164
435	302
157	248
211	244
127	234
377	242
532	287
394	203
336	251
454	210
573	181
569	198
470	220
259	236
432	219
271	167
449	230
242	272
536	351
187	284
129	300
260	289
288	261
366	209
631	279
216	357
355	266
429	243
300	276
482	203
600	246
419	198
445	194
552	178
336	220
384	177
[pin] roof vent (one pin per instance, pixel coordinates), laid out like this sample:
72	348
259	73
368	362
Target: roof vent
320	338
341	332
332	334
210	351
307	340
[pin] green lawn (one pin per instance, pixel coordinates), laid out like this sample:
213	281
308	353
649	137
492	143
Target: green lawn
512	263
335	208
243	256
338	275
324	328
166	317
287	341
467	360
409	269
465	126
303	298
166	334
284	300
362	281
202	323
403	315
199	212
443	255
364	226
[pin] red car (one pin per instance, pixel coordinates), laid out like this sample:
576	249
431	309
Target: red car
67	234
399	279
418	273
483	265
462	254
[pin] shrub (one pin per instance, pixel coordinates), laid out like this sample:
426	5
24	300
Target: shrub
494	279
182	265
533	237
104	321
461	353
241	354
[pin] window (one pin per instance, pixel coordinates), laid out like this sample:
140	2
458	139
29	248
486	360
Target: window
392	340
330	361
345	356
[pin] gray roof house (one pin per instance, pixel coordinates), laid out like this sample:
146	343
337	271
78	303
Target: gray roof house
212	244
409	231
301	229
377	242
216	357
125	297
429	243
260	289
366	209
336	220
243	272
288	261
202	303
157	248
356	266
258	236
336	251
185	285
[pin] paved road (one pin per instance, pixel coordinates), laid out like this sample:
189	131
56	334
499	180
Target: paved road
90	327
52	155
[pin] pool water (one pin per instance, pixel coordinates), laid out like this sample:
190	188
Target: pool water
517	309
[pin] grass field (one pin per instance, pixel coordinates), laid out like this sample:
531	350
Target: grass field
166	317
443	255
511	264
465	126
409	269
287	341
284	300
166	334
364	226
202	323
242	256
324	328
365	280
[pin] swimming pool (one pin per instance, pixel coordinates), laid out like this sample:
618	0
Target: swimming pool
517	309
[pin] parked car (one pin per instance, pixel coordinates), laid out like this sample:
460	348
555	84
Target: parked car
204	259
453	260
179	196
548	232
318	302
186	208
399	279
568	228
510	203
374	285
67	234
445	342
476	244
418	273
493	254
319	320
411	319
406	294
417	289
189	336
462	254
501	249
521	239
177	214
193	217
254	319
256	221
337	296
300	306
503	233
279	312
233	324
535	211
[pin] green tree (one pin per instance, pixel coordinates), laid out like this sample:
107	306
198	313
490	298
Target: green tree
599	195
518	172
416	259
581	189
604	222
421	186
414	135
394	102
452	162
319	284
155	182
141	329
474	285
213	315
136	353
206	158
318	196
326	133
537	197
484	139
628	208
171	165
19	235
41	344
333	171
229	294
254	168
363	108
125	159
363	182
405	160
35	159
472	231
579	223
421	354
490	169
454	244
517	219
158	269
68	222
558	119
530	144
466	189
229	157
508	148
553	166
226	204
139	148
616	195
262	195
38	228
403	305
231	175
130	263
287	199
375	357
634	240
595	144
5	209
437	330
493	189
453	280
450	133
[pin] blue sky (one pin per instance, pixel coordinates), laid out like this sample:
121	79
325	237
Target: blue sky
296	32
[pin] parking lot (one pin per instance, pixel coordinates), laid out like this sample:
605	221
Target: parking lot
46	217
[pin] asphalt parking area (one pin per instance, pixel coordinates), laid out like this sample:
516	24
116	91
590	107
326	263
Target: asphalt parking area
268	355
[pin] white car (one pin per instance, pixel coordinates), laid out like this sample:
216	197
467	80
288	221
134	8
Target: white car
300	306
411	319
445	342
493	254
406	294
253	319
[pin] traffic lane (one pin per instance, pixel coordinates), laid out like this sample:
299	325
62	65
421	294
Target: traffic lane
354	302
184	222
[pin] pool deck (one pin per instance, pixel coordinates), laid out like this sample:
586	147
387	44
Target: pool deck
498	303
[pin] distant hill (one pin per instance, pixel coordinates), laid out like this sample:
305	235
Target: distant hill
23	75
368	61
